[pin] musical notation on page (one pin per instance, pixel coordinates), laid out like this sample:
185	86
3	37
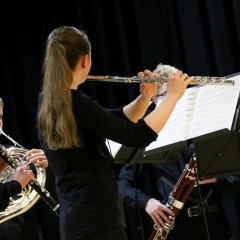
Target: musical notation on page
200	111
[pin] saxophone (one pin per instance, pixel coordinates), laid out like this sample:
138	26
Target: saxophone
15	156
176	200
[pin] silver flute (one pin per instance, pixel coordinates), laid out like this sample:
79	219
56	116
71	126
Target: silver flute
197	80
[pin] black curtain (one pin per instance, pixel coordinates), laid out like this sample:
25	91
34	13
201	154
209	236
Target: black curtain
200	37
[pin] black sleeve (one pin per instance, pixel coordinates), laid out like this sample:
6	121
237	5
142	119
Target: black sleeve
94	118
118	112
8	190
127	190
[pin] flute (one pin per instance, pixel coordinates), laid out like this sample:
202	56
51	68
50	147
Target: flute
197	80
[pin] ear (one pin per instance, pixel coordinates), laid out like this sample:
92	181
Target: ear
85	60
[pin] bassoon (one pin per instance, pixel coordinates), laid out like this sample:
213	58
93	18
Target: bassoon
176	200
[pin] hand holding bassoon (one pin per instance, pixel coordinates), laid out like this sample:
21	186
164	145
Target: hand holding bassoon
158	212
202	182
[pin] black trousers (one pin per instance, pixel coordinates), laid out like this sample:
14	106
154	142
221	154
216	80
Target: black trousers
112	234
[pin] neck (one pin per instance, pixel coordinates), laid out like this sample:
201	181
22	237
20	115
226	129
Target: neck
74	86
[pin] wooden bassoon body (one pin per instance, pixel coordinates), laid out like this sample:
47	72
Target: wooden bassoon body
177	199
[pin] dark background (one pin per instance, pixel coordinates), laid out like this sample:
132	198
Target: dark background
200	37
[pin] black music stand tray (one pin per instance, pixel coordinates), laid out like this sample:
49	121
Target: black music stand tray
131	155
218	156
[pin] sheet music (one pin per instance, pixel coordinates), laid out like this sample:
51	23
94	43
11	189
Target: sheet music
201	110
214	110
176	128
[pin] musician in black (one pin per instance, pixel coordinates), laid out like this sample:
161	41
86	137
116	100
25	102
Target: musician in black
147	186
72	128
20	178
25	226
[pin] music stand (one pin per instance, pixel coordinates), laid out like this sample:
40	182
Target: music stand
217	154
220	156
160	157
123	154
